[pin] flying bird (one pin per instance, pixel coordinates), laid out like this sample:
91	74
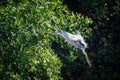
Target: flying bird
75	40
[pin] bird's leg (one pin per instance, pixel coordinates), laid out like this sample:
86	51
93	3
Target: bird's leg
87	59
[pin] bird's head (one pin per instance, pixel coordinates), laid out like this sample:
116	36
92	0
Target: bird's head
48	32
53	33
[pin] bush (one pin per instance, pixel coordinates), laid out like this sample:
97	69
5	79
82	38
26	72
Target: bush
104	42
25	51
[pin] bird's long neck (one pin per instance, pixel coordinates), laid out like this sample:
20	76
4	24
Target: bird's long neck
58	34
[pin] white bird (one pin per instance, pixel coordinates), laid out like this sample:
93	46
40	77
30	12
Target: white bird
75	40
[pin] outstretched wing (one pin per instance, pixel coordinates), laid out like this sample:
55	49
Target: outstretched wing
72	39
81	39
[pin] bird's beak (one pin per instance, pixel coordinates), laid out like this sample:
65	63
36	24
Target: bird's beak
47	32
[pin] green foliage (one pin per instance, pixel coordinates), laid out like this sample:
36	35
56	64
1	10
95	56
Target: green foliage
104	44
25	51
99	7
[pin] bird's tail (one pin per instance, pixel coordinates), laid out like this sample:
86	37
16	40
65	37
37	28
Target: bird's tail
87	59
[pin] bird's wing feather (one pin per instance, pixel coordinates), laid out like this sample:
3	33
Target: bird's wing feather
81	39
72	39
